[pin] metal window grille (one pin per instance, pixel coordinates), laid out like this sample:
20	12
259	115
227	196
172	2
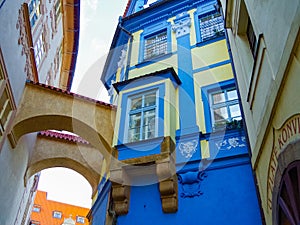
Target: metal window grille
211	26
155	45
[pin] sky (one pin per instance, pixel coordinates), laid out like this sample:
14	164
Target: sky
98	21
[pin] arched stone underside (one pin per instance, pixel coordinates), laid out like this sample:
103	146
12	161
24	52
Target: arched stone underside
289	155
51	152
45	108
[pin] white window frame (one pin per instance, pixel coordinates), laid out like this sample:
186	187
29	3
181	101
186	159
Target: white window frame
57	214
39	49
36	11
80	219
142	110
227	103
57	10
36	208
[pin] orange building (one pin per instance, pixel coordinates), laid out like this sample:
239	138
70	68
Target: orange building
48	212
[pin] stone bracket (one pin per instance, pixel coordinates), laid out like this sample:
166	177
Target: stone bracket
169	194
120	196
158	168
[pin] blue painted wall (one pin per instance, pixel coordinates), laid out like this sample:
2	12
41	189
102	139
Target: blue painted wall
227	197
214	189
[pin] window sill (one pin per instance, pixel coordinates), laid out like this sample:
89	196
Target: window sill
139	148
234	125
211	40
153	60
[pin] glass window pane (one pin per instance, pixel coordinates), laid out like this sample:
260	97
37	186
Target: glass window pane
136	103
232	94
220	114
211	26
149	124
235	111
134	127
218	97
150	99
155	45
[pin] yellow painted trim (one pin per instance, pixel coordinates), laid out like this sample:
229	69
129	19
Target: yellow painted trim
205	152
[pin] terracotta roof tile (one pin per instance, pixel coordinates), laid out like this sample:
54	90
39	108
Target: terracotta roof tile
45	216
127	8
59	135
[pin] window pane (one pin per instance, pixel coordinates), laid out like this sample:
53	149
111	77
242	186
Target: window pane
155	45
150	99
136	103
232	94
134	127
218	97
235	112
149	124
220	114
211	26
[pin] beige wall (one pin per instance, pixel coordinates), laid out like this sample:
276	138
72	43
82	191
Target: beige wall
268	83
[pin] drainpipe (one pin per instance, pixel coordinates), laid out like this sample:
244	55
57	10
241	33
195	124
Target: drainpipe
129	47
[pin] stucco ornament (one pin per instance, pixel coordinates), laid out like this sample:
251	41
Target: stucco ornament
122	62
233	142
190	183
23	41
182	26
187	149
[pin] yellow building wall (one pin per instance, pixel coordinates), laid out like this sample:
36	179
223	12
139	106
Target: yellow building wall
210	54
287	105
204	78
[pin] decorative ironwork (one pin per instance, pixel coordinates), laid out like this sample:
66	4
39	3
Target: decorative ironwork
211	26
155	45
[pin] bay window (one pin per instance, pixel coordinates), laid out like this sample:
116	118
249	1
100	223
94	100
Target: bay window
142	114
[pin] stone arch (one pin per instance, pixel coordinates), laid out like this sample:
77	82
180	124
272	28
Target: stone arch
61	122
90	176
290	154
43	108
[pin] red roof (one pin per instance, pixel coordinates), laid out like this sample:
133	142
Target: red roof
127	8
60	135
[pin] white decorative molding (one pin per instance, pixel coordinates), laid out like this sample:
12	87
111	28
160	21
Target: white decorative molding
182	27
187	149
23	41
232	142
111	89
122	62
46	36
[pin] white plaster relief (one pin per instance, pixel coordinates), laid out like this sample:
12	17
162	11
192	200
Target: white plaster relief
188	149
23	40
182	27
230	143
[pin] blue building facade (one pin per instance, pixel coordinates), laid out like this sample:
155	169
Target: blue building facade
179	151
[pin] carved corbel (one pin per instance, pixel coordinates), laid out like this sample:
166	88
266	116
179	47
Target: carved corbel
168	185
120	196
